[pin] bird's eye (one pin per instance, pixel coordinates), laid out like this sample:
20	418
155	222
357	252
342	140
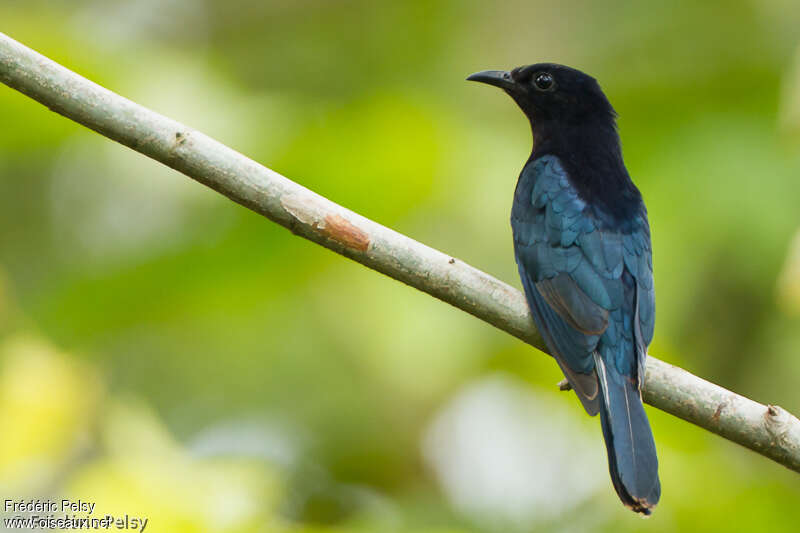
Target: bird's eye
543	81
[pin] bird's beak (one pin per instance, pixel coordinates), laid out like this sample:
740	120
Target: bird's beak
498	78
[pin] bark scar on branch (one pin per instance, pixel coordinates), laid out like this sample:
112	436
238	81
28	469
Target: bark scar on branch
334	226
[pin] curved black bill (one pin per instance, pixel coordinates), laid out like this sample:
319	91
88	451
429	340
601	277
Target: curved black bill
498	78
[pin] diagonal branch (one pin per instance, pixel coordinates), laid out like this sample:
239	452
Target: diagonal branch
768	430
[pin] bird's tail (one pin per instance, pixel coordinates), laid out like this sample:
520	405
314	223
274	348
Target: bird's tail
632	459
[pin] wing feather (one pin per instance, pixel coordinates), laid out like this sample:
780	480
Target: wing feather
585	283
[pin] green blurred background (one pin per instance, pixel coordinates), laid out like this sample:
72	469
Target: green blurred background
167	353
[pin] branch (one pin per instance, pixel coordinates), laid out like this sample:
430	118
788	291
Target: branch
768	430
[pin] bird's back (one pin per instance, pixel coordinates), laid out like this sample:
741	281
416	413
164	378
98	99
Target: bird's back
588	281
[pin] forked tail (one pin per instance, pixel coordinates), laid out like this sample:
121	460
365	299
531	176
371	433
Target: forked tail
632	459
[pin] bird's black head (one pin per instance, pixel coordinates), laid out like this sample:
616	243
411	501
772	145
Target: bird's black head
552	92
572	119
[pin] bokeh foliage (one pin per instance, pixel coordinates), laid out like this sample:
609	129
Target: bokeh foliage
167	353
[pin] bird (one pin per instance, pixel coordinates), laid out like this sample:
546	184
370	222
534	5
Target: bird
583	250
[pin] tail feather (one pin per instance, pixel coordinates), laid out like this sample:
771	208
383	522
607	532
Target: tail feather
631	449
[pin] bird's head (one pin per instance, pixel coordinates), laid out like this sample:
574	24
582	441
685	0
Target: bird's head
551	92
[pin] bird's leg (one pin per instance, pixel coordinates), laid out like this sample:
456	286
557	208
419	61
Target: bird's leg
564	385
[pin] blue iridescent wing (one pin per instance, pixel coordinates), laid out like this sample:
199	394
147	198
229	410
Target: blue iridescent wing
590	287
